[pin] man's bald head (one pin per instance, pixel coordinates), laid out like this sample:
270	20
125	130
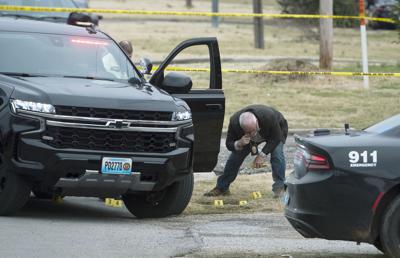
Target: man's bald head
127	47
248	122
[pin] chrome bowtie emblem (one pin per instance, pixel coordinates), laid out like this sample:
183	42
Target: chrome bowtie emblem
118	124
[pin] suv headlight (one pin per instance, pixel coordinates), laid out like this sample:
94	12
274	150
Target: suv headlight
182	115
32	106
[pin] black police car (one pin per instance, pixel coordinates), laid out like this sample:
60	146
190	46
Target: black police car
347	186
77	118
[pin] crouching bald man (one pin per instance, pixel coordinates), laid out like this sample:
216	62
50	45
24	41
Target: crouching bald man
247	129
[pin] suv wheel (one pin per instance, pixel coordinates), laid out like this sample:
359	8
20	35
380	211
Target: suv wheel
171	201
14	192
390	230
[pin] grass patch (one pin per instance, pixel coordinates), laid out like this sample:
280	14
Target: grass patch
241	189
321	101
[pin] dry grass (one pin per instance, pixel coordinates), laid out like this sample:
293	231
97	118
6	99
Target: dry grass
241	189
318	102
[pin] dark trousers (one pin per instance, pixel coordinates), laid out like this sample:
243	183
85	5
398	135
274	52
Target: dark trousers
236	159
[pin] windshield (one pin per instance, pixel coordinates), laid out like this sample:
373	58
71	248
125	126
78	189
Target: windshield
386	125
40	3
63	55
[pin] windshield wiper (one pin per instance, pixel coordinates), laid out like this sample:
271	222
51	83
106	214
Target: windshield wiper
52	18
24	16
22	74
88	77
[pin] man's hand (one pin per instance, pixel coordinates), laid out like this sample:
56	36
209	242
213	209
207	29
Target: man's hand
244	140
259	161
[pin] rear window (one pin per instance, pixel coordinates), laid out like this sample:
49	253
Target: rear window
392	123
62	55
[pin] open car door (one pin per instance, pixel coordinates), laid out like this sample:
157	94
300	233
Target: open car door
207	105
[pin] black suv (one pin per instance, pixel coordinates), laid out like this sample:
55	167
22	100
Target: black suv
77	118
62	17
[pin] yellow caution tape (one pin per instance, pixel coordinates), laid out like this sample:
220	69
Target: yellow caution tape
207	14
256	195
186	69
218	203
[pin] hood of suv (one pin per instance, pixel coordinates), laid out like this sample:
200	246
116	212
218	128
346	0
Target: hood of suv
92	93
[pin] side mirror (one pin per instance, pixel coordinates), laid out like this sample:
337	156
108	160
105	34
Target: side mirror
177	83
94	19
146	65
80	19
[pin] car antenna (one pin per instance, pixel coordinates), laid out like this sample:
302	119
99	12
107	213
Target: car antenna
346	128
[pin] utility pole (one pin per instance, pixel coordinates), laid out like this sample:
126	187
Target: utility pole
189	4
258	25
326	35
364	47
215	9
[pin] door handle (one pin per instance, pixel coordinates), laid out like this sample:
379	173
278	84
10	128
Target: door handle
213	106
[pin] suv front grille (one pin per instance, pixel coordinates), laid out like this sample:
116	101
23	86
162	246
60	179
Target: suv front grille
113	113
106	140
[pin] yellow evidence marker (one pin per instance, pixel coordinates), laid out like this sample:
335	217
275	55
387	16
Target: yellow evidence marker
58	199
218	203
108	201
117	203
256	195
113	203
243	203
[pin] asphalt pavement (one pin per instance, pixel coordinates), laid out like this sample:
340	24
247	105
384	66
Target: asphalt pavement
85	227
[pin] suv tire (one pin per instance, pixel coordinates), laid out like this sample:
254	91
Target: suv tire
171	201
42	194
14	192
390	233
378	245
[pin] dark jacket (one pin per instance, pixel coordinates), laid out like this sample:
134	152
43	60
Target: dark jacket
273	127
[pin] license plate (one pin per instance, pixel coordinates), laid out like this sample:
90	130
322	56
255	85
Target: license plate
117	166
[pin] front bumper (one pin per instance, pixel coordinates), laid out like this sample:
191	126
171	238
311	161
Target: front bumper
332	205
77	171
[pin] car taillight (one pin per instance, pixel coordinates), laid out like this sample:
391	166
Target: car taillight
311	161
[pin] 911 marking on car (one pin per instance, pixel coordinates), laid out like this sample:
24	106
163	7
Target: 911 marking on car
363	159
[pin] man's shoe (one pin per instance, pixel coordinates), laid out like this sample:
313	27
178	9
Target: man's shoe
278	193
217	192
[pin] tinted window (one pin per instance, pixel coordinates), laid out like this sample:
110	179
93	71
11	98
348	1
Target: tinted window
61	55
392	123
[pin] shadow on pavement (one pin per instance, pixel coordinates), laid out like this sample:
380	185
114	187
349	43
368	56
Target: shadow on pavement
73	208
